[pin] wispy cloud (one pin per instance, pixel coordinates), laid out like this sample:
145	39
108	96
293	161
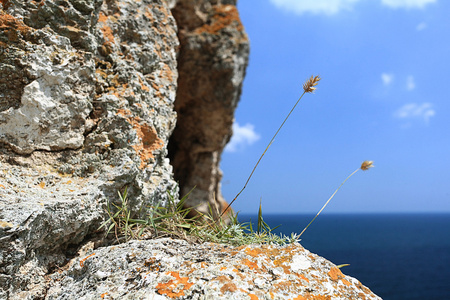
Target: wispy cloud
407	3
327	7
242	136
410	84
416	111
421	26
387	78
331	7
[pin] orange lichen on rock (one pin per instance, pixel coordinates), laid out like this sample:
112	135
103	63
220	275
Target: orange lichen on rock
228	287
11	27
166	73
175	287
222	279
143	85
147	136
157	88
224	16
253	297
253	251
285	286
335	274
162	11
303	277
346	282
283	260
106	30
365	289
149	141
84	259
124	112
252	265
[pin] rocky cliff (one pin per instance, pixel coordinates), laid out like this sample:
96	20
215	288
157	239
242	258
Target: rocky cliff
95	97
213	56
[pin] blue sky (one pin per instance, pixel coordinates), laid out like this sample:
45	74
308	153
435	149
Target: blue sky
384	96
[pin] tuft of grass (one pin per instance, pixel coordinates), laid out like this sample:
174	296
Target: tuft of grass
120	220
172	221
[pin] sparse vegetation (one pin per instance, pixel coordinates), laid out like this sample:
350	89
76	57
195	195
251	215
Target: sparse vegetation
171	220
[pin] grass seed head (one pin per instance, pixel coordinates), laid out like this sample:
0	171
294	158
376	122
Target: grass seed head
309	85
366	165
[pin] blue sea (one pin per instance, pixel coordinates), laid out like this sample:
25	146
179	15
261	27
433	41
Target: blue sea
398	256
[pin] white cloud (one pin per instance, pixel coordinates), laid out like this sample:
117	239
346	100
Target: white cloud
410	84
328	7
407	3
421	26
242	136
387	78
410	111
331	7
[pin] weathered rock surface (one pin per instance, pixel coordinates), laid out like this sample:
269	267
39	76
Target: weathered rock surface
213	56
87	92
173	269
86	110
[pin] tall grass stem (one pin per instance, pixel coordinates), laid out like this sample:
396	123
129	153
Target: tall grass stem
329	201
262	155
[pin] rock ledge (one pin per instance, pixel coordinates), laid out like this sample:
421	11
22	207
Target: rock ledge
175	269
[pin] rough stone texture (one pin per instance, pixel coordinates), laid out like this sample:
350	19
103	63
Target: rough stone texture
213	56
86	110
173	269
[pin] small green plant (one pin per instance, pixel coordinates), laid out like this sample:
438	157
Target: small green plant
264	232
172	221
162	220
120	221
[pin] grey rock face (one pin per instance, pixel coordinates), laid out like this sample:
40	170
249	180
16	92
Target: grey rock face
86	110
52	112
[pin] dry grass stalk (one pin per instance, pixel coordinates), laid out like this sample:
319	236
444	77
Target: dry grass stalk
308	87
366	165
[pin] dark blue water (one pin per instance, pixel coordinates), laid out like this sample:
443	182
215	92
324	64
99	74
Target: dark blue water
398	256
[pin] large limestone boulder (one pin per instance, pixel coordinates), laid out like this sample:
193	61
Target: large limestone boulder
86	110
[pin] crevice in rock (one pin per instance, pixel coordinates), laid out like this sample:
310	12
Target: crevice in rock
72	251
212	58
